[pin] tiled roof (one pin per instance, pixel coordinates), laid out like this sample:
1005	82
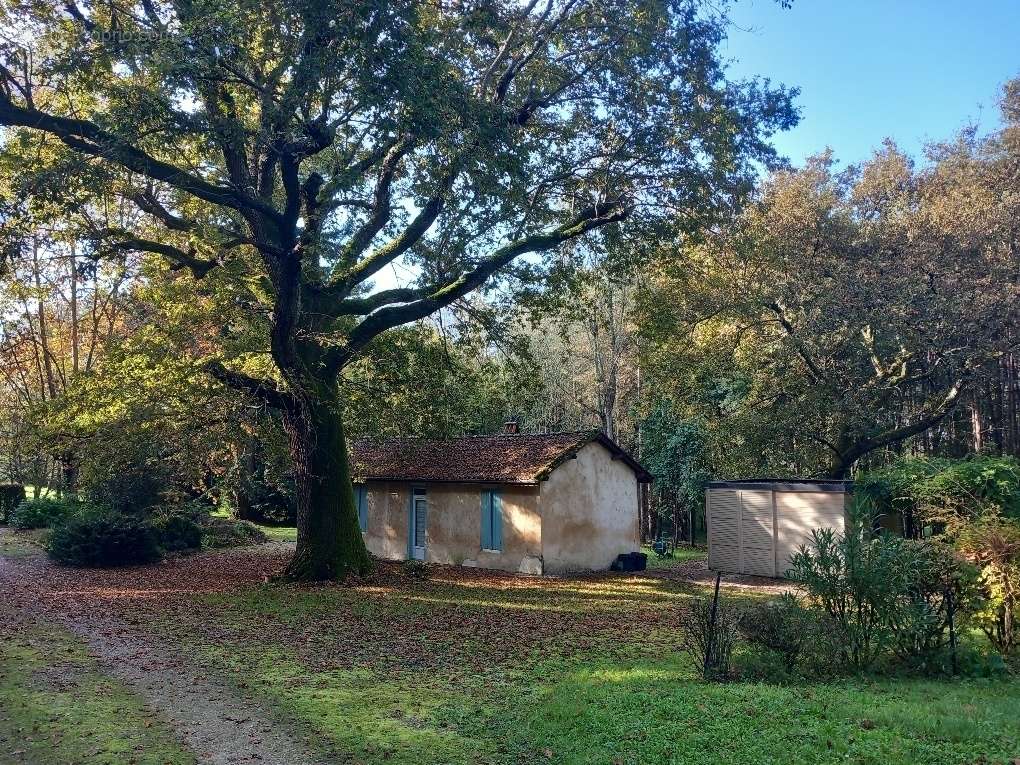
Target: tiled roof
517	458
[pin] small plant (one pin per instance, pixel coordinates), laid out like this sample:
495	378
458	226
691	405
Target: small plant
848	576
177	532
99	539
42	513
783	626
708	632
415	569
11	495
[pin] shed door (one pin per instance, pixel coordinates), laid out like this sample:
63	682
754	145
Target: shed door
723	530
419	523
757	532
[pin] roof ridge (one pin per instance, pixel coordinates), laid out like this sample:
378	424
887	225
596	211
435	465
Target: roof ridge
479	435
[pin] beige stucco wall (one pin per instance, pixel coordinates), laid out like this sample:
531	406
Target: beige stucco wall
386	535
589	509
454	525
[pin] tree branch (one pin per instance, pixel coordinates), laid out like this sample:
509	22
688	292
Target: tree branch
394	315
89	138
262	389
178	257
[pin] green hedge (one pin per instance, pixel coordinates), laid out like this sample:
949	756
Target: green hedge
937	490
11	495
99	539
177	533
43	512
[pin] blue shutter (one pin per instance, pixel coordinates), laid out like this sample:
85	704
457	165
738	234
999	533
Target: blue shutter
486	520
497	521
361	499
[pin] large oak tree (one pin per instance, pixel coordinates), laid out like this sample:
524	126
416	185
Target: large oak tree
332	139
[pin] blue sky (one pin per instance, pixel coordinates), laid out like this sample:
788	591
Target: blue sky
911	70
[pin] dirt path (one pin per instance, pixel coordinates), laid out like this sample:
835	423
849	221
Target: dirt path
206	711
697	572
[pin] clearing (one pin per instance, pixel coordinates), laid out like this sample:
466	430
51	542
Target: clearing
201	659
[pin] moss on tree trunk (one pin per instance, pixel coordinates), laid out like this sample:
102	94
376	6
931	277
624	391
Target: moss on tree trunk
329	541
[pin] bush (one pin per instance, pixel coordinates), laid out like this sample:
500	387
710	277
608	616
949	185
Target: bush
938	492
42	513
853	581
709	641
885	594
11	495
994	545
98	539
177	532
415	569
225	532
782	625
938	590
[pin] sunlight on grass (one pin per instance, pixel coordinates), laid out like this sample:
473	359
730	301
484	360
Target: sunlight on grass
397	719
581	694
56	707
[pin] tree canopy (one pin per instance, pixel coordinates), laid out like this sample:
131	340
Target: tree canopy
310	145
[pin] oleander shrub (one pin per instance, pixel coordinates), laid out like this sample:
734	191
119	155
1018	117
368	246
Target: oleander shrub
43	513
102	538
11	495
885	599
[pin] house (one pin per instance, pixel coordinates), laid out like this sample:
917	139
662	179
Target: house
535	504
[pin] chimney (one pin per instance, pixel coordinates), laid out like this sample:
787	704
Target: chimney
510	427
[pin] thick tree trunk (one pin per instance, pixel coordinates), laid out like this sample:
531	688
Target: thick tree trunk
329	543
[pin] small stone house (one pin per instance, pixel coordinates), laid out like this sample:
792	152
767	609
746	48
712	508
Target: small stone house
534	504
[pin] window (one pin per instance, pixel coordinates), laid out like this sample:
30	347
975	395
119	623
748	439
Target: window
361	502
492	521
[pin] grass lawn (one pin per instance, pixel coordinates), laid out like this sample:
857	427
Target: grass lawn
58	708
468	668
476	669
682	554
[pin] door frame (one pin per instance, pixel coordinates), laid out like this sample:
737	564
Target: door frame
413	551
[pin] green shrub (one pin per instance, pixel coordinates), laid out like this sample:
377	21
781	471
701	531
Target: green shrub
938	589
783	626
709	638
885	597
935	493
994	545
43	513
177	532
225	532
133	488
415	569
11	495
99	539
853	581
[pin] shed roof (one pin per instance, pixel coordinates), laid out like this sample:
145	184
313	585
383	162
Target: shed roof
786	484
506	458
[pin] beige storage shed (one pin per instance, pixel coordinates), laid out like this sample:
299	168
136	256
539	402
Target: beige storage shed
754	526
